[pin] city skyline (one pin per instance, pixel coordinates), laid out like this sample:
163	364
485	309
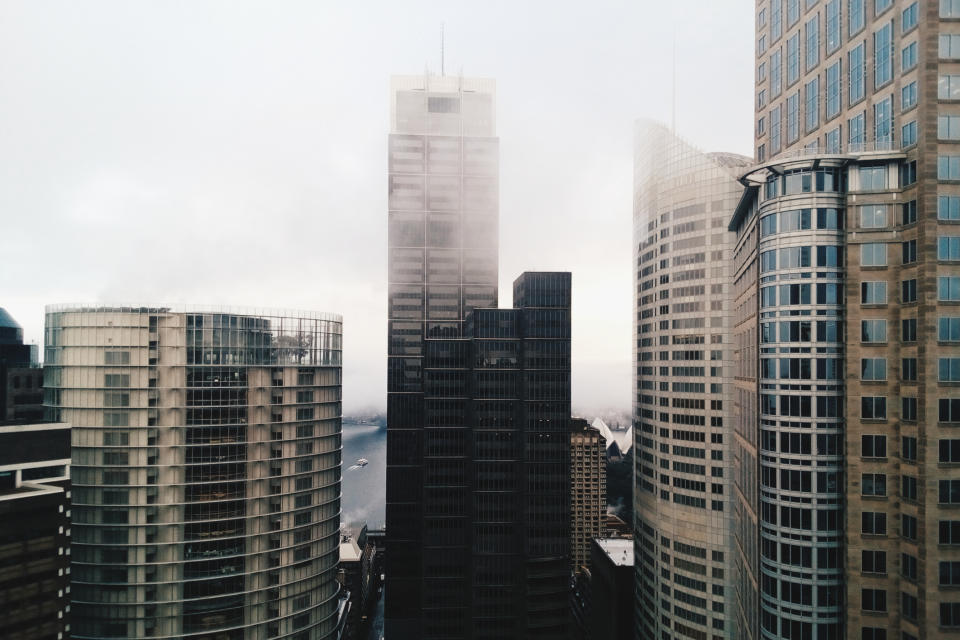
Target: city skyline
107	142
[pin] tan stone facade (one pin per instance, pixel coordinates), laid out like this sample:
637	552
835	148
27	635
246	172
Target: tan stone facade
588	491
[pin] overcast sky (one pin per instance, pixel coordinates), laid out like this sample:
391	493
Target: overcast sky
235	152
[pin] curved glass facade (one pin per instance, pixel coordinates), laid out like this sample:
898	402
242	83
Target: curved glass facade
683	396
801	385
206	456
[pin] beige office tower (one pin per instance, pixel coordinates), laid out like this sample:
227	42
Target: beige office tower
852	215
588	491
683	395
206	469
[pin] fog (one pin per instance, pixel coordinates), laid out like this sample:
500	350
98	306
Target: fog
235	152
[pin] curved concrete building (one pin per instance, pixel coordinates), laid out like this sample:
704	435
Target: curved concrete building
206	456
682	405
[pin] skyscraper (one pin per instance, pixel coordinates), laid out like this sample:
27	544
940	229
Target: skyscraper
443	217
849	242
206	469
683	393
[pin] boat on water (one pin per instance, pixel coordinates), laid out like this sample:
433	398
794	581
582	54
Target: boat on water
362	462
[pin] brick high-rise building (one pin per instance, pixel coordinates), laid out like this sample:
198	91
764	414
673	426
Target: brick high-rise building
588	490
848	270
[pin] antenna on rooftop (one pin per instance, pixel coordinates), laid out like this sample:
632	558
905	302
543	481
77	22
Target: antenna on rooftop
442	73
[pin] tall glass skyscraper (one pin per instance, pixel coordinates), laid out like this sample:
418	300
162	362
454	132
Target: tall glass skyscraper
443	218
848	251
683	391
206	469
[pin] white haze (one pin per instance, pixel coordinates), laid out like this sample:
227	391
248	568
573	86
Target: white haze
235	152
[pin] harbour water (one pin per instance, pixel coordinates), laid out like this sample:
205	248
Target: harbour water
364	487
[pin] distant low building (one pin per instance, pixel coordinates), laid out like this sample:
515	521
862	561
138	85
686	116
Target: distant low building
588	490
359	575
611	589
21	378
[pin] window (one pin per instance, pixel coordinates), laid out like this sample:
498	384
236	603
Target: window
829	256
874	523
873	408
950	575
950	8
883	123
908	19
768	224
948	168
812	106
908	252
948	208
833	26
949	611
873	369
873	254
908	412
874	561
948	87
873	446
829	219
875	292
949	451
872	177
873	599
908	96
880	6
832	140
793	12
761	45
908	369
873	216
949	531
908	57
776	19
856	131
873	330
776	71
949	46
828	293
949	410
948	127
908	527
908	212
857	72
949	491
873	484
812	37
948	288
775	142
797	219
793	117
908	448
948	248
948	369
948	329
908	487
908	329
908	607
833	90
793	58
882	54
858	15
908	137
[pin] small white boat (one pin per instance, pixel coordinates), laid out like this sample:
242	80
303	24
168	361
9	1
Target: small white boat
362	462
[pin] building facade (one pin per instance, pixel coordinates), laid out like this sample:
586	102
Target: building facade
683	394
206	469
443	221
588	491
854	208
21	378
35	536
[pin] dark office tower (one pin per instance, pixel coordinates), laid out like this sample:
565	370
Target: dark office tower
852	211
206	470
34	531
518	513
21	378
443	216
683	395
